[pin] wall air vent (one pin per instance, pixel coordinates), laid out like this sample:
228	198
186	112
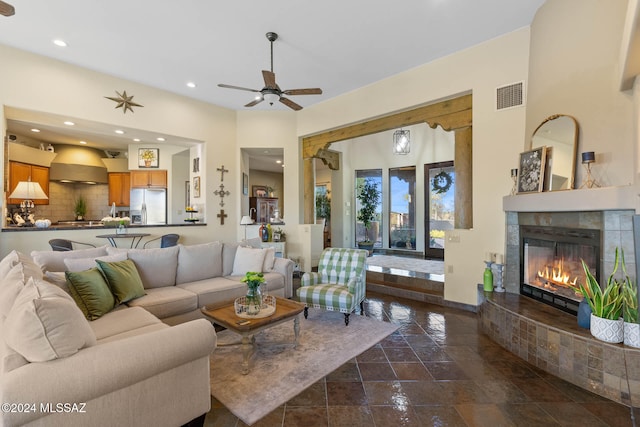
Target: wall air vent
510	96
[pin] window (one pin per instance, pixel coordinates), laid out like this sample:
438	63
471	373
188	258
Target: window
402	210
375	230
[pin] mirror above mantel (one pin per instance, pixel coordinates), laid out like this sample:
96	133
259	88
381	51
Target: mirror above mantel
559	133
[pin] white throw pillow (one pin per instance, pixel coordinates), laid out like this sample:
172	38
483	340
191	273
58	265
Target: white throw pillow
198	262
45	324
269	259
82	264
248	259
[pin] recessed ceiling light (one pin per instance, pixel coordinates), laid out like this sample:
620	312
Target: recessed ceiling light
191	85
278	161
136	139
160	139
283	165
83	142
60	43
119	132
68	123
35	130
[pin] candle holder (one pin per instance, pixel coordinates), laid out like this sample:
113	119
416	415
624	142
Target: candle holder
498	277
589	157
514	178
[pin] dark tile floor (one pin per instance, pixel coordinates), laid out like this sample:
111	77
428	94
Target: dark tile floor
438	369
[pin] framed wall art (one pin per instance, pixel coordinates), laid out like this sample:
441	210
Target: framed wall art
148	157
196	187
245	184
531	170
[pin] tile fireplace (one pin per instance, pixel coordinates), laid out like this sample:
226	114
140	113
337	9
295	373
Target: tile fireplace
551	260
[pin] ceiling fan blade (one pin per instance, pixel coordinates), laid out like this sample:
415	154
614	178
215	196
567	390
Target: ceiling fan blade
269	79
289	103
238	87
6	9
254	102
308	91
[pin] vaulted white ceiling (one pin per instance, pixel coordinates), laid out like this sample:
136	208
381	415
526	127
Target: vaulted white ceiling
336	45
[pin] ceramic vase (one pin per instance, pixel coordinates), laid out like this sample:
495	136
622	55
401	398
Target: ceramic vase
632	334
584	314
611	331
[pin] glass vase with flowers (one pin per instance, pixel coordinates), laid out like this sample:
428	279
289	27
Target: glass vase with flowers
253	299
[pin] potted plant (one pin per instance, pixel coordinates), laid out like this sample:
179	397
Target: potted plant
368	195
323	206
80	208
253	299
630	309
606	304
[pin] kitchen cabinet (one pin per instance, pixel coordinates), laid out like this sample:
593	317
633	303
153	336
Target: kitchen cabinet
146	179
265	208
119	188
19	171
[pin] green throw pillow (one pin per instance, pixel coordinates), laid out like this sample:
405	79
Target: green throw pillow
90	292
123	279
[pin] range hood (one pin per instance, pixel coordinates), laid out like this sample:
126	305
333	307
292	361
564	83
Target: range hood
75	173
78	165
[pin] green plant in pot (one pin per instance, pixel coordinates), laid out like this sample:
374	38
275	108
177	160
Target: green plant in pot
80	208
253	299
606	303
368	195
630	309
323	206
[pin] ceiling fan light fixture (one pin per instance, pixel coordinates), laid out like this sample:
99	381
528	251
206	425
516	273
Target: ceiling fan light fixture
271	97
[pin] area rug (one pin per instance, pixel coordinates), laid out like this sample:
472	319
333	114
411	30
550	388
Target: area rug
280	372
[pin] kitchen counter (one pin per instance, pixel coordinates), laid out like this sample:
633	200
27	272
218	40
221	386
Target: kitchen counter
84	226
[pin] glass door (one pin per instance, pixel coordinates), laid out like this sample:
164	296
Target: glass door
440	206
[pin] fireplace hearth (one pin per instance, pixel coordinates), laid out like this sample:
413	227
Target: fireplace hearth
551	259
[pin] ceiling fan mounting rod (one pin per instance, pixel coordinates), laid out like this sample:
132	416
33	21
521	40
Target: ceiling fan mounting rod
271	36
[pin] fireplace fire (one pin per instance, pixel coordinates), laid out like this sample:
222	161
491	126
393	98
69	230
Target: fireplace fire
551	260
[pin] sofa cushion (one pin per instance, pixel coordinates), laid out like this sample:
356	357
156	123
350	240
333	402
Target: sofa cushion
45	324
167	301
123	279
157	267
30	268
216	291
248	259
228	255
57	278
81	264
54	260
10	287
90	291
197	262
122	320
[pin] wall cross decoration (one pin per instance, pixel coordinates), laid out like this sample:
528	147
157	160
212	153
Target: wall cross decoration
221	192
222	170
222	216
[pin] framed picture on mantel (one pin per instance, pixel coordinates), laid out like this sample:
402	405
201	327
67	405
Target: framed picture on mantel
531	170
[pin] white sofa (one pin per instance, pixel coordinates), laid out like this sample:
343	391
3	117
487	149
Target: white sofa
129	366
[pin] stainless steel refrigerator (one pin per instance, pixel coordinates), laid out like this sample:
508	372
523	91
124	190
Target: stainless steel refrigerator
148	206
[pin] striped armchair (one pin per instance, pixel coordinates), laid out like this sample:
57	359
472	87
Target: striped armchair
339	284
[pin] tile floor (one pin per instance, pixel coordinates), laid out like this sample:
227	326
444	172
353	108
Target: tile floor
438	369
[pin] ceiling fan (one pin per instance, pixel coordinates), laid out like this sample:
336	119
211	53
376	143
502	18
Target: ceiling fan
6	9
271	92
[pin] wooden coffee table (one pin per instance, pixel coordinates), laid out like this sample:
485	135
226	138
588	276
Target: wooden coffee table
247	328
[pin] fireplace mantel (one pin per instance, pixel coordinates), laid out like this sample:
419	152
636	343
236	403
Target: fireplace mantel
591	199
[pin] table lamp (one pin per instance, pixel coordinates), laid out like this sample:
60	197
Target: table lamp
246	220
28	191
589	157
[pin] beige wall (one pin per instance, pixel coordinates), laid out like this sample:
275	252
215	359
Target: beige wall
497	137
573	69
37	83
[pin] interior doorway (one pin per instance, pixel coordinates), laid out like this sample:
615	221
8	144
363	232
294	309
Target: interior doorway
440	182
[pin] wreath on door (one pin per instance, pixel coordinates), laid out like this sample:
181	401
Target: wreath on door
442	182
